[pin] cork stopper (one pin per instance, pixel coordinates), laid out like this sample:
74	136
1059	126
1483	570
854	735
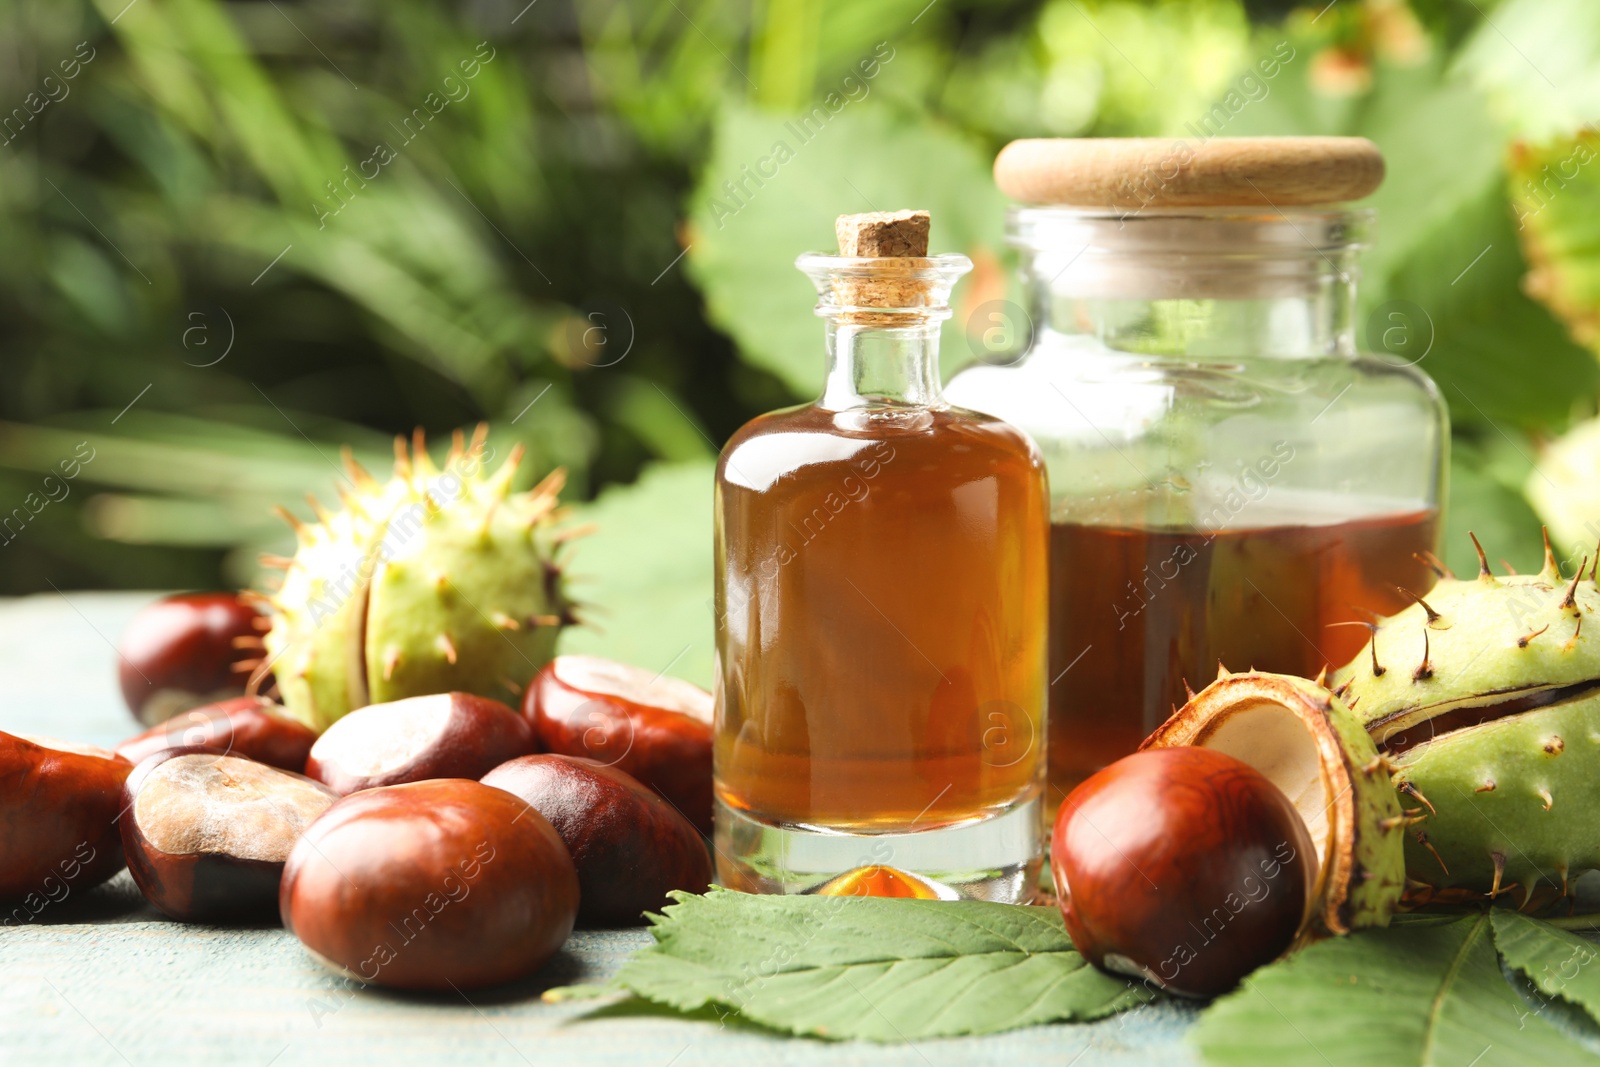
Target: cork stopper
882	234
1129	174
900	240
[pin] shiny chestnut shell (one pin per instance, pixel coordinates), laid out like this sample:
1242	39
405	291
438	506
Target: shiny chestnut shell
630	847
184	651
207	835
445	884
441	735
59	807
253	727
655	728
1183	866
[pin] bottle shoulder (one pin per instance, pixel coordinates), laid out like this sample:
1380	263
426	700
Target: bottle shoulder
1405	376
784	442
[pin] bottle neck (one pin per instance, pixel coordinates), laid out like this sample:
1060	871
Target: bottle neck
883	316
882	366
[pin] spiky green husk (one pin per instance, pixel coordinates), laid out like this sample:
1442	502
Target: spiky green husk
1485	637
1514	801
434	581
1303	738
1377	878
1511	800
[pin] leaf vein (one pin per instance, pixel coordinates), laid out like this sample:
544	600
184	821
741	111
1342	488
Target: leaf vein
1446	981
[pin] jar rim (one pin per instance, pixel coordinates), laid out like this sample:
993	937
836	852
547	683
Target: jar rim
1231	253
1191	227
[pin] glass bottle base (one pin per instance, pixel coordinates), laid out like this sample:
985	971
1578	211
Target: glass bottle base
997	857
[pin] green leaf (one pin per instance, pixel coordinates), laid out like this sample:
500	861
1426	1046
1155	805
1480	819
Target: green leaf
1555	189
1536	59
871	968
1425	994
809	47
656	418
1563	489
1486	499
1446	243
1496	354
1442	157
748	229
647	573
1558	963
1441	148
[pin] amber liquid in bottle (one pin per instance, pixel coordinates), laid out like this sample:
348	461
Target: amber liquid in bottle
883	604
1135	613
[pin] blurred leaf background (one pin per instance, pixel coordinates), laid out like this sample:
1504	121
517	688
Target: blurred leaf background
238	235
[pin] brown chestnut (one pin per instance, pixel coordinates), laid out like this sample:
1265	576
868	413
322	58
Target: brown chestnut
1182	866
187	650
432	885
59	803
442	735
657	729
206	835
252	727
630	847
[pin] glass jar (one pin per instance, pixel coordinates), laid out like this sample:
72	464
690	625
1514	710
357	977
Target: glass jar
880	600
1232	482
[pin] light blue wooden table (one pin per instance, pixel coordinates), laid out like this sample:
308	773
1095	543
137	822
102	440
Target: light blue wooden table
102	979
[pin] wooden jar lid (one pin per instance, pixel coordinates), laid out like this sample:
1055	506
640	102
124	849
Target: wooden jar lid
1133	173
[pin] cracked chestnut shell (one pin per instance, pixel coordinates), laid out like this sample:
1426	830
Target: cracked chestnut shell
252	727
59	804
442	735
187	650
207	836
655	728
431	885
1183	866
630	847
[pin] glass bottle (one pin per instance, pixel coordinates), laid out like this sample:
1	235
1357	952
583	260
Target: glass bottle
880	596
1232	481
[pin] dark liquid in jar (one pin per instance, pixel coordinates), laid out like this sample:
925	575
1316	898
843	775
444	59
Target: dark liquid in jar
1136	613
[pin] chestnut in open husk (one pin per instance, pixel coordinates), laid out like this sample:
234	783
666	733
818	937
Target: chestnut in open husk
1182	866
187	650
252	727
630	847
655	728
444	884
206	835
442	735
58	820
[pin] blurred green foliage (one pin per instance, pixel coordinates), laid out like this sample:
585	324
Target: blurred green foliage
239	235
247	233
